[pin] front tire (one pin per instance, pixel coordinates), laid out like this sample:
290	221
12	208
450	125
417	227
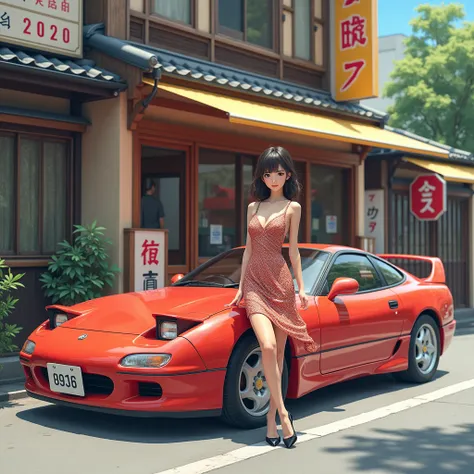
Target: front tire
424	351
246	393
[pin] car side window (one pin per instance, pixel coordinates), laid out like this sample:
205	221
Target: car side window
357	267
391	275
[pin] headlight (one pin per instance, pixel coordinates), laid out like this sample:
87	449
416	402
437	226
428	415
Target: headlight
28	347
145	360
168	330
59	319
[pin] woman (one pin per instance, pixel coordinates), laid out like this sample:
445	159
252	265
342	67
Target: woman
266	283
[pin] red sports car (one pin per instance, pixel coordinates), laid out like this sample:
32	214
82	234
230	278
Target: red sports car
179	352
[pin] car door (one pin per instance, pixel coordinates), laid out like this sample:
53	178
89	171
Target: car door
360	328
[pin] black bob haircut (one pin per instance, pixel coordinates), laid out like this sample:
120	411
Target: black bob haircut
269	162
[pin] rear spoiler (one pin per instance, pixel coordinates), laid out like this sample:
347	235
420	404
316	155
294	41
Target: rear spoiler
437	274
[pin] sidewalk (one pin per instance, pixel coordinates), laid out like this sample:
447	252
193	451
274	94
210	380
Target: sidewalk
15	390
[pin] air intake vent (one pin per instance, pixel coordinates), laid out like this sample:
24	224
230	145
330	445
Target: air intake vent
150	389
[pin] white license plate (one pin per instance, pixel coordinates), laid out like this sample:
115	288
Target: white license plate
65	379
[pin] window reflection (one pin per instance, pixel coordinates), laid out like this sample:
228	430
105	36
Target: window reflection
217	202
328	213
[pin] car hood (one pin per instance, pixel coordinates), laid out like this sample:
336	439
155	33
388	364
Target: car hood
133	313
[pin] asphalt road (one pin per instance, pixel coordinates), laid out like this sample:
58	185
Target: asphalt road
374	425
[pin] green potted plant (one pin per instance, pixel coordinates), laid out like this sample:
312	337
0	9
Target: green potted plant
79	271
8	283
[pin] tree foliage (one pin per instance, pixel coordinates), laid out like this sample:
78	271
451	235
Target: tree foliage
433	86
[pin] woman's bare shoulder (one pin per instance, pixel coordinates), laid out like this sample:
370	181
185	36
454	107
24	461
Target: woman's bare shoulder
295	206
252	206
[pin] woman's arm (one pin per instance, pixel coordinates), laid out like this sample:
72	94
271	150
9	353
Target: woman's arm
294	252
245	258
248	244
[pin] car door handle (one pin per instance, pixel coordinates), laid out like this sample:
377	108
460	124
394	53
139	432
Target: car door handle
393	304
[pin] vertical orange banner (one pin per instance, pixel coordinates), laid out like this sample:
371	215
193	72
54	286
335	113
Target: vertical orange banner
354	49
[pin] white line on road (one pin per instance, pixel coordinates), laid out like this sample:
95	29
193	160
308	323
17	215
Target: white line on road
247	452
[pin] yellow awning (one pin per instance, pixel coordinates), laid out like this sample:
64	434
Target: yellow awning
278	118
449	171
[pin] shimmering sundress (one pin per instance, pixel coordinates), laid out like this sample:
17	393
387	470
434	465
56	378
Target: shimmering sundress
268	286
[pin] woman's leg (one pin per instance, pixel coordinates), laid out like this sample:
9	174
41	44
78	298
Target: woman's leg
265	333
280	337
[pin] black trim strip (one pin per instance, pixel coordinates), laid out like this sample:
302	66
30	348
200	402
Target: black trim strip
353	345
151	374
131	413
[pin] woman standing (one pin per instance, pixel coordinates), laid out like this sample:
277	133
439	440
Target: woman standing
266	283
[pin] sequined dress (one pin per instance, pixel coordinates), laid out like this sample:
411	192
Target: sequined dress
268	285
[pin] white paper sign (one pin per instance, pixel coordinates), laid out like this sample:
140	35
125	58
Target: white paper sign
375	217
149	260
331	224
46	25
216	234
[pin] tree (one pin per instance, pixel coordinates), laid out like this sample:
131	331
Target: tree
433	86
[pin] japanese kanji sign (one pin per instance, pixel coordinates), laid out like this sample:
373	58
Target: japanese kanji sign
375	217
354	46
54	26
428	197
149	262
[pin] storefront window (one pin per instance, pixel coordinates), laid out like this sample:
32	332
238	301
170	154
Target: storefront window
247	177
164	197
35	194
217	202
329	220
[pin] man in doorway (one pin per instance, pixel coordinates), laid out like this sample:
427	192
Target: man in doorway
152	213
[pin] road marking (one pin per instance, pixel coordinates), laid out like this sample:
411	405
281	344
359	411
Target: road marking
248	452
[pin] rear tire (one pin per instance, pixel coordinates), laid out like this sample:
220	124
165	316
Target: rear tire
424	352
246	394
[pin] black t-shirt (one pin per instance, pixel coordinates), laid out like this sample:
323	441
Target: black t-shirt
152	212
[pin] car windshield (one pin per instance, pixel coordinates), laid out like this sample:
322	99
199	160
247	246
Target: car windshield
225	269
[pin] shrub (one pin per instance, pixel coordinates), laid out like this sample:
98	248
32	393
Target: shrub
80	271
8	283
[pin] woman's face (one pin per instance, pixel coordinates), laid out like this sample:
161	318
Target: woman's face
275	180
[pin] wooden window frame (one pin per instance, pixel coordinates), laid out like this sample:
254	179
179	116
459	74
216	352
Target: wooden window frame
223	32
18	134
193	14
209	45
314	24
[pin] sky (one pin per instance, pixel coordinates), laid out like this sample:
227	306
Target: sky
394	15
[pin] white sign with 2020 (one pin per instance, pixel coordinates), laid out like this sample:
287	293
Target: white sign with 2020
54	26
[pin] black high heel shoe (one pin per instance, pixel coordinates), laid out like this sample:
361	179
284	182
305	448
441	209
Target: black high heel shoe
289	442
273	441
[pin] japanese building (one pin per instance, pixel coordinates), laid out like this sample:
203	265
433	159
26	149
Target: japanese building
197	89
42	128
400	228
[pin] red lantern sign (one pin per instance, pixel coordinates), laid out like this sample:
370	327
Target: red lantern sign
428	197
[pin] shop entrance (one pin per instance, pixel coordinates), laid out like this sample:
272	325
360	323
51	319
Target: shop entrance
163	198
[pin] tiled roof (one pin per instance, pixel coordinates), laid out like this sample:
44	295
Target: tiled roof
77	67
454	153
204	71
176	64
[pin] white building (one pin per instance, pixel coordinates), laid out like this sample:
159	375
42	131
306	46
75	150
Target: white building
391	49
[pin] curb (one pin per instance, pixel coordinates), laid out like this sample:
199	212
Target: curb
16	395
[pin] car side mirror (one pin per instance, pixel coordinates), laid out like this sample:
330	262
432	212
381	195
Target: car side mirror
343	286
176	278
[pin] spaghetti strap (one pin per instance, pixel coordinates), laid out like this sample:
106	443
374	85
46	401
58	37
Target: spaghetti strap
287	206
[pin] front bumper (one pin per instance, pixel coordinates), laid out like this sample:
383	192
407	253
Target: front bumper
183	395
183	385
